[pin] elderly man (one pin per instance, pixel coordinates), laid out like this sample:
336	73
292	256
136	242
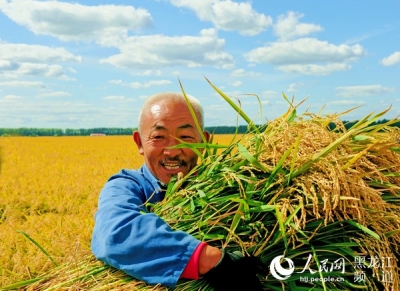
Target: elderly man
128	237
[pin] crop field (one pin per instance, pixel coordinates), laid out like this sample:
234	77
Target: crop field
296	188
48	195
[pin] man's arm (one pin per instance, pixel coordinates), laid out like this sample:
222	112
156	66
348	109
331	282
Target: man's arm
141	244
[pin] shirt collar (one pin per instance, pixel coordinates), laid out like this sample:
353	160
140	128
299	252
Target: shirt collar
153	179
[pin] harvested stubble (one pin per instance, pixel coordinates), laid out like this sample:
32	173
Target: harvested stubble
295	188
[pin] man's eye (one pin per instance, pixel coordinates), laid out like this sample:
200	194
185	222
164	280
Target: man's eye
158	137
187	137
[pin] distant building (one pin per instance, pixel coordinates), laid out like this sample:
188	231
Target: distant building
97	134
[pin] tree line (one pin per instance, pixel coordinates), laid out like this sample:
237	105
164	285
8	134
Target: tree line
25	131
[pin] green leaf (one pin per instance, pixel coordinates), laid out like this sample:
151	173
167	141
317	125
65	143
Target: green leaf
289	219
243	151
21	284
237	108
263	208
395	149
362	137
364	229
199	128
38	245
282	227
276	170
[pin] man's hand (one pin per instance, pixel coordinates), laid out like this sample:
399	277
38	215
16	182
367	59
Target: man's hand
209	257
235	272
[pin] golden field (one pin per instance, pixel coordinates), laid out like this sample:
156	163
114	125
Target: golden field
49	188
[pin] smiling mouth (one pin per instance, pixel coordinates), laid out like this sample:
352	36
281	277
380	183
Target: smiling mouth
173	165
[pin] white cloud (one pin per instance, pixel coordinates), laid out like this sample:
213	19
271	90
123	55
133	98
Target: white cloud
228	15
42	70
138	85
346	103
45	112
76	22
114	98
236	83
55	94
307	56
363	91
155	51
22	84
147	73
32	60
244	73
6	65
107	25
313	69
35	53
303	51
116	82
39	70
270	94
391	60
288	27
72	70
294	87
9	98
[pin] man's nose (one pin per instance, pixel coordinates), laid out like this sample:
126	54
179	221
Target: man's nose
169	150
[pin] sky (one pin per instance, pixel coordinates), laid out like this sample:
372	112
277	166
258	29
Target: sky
85	64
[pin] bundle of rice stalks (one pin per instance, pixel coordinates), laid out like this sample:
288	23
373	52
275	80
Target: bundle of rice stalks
317	204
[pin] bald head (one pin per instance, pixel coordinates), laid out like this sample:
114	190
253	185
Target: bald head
171	98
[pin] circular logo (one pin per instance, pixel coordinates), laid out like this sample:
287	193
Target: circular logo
278	271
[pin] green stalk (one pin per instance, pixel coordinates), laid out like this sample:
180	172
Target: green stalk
364	229
38	245
199	128
25	283
237	108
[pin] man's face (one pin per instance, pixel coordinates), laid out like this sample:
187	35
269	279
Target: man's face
161	125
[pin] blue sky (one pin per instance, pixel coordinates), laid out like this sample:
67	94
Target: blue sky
83	64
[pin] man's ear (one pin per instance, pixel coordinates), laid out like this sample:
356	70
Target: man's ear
207	135
138	141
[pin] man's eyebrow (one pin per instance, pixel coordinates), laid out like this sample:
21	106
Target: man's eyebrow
161	127
186	125
158	127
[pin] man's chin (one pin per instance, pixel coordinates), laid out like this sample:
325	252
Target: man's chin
168	174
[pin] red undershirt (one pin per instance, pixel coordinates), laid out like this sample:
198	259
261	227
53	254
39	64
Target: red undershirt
191	270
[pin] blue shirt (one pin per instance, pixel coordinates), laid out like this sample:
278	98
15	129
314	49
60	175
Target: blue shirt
128	237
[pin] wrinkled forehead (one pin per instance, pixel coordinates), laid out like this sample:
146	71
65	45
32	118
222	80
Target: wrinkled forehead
168	111
168	107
